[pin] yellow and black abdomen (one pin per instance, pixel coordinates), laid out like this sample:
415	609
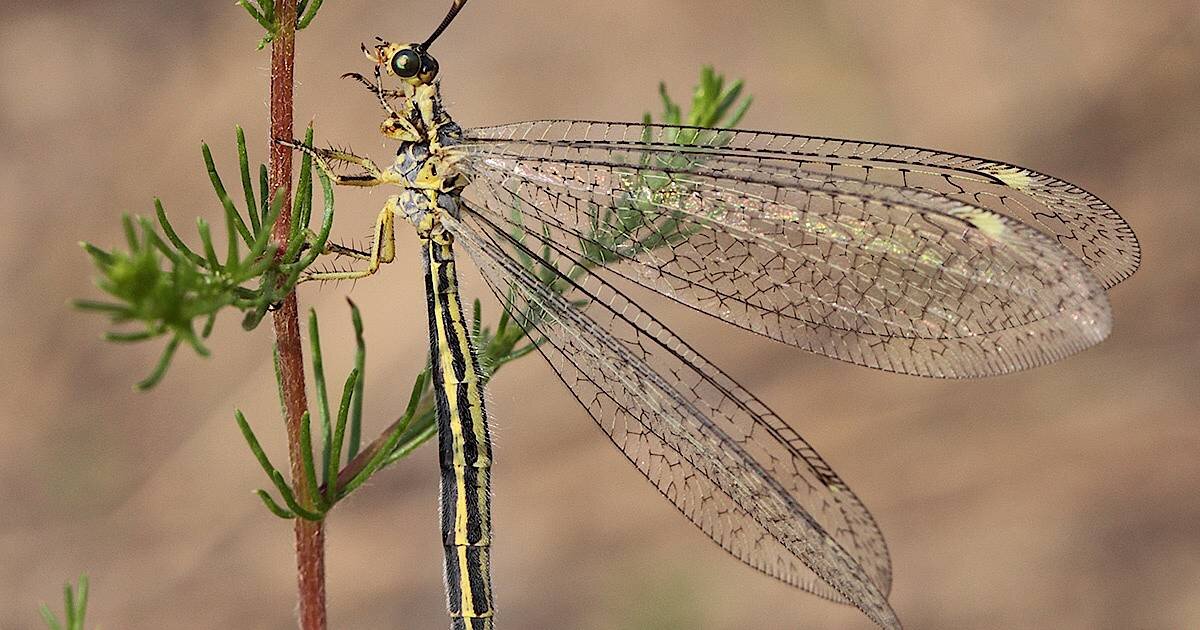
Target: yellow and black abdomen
464	445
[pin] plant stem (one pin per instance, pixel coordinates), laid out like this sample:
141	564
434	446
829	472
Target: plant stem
310	535
364	456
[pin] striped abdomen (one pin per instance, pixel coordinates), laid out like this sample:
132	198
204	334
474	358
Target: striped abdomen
464	446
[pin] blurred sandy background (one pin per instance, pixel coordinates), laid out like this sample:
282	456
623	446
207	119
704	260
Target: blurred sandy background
1066	497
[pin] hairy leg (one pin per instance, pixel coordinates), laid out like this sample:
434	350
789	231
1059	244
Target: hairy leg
383	248
372	175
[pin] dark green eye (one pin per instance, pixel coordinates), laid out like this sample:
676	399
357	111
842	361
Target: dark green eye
406	63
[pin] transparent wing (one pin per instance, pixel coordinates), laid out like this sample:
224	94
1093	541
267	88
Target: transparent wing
725	460
1077	219
893	278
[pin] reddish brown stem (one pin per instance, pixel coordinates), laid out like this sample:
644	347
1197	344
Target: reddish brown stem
364	457
310	535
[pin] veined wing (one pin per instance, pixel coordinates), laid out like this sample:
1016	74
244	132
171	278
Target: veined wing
898	279
720	455
1077	219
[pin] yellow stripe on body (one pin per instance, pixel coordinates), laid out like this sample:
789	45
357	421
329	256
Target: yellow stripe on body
464	444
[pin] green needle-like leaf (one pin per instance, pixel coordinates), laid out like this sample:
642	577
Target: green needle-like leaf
256	14
289	498
318	244
264	189
232	260
268	10
274	475
671	113
262	239
252	441
737	115
476	318
302	206
210	251
252	211
274	507
172	236
131	238
49	617
69	604
223	195
103	307
160	369
318	365
153	240
208	325
331	470
101	257
120	337
82	599
360	361
310	469
307	11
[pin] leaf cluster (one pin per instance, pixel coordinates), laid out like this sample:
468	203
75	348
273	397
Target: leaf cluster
340	433
334	445
75	601
263	12
164	287
713	104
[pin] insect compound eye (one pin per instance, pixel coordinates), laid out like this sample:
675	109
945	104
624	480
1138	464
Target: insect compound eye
406	63
429	68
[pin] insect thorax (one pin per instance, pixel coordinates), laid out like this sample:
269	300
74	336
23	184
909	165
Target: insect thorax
424	163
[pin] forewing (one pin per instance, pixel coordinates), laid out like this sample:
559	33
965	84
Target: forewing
1077	219
892	278
724	459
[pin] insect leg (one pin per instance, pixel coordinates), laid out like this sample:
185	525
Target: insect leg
377	89
372	176
383	248
342	250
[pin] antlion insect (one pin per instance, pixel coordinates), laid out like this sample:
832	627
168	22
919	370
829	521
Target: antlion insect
897	258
